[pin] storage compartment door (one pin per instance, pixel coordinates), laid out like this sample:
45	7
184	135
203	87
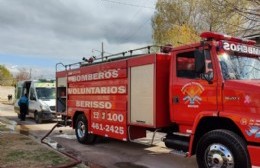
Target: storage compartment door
61	92
142	95
62	82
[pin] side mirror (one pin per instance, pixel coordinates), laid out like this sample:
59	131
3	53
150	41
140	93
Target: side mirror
199	61
208	77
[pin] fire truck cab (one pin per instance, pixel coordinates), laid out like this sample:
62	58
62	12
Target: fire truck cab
204	96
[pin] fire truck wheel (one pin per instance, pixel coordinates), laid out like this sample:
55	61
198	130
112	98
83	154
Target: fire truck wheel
222	148
37	118
81	131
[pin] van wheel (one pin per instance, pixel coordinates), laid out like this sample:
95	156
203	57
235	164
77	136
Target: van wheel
81	131
222	148
37	118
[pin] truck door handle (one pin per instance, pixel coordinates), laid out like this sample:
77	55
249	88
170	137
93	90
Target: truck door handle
175	99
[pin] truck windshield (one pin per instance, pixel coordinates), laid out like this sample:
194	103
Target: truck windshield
45	93
239	67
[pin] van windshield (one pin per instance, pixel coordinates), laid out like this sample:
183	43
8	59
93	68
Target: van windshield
240	67
45	93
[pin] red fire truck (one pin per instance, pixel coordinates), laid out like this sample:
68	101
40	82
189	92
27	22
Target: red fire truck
204	96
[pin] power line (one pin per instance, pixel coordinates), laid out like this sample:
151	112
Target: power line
128	4
93	50
124	32
134	32
137	30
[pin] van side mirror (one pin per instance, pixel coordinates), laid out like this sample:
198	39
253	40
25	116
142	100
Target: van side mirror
199	61
33	98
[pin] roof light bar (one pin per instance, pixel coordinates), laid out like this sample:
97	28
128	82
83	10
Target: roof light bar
219	36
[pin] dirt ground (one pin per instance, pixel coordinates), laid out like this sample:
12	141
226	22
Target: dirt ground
5	91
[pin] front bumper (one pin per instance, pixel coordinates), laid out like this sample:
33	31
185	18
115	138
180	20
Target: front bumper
48	116
254	152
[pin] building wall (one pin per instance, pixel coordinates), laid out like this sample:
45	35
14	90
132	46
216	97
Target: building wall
255	38
258	41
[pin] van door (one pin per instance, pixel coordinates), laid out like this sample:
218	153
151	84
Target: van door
18	94
32	102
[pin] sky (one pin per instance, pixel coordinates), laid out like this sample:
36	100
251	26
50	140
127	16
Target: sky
37	34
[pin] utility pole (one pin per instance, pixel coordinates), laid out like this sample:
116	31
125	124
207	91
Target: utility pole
30	73
102	51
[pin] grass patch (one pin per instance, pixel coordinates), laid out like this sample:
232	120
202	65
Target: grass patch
53	157
31	143
15	155
21	151
3	128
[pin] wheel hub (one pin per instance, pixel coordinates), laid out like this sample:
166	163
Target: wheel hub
81	129
217	159
219	156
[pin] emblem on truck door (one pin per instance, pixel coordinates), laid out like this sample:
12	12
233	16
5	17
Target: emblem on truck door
192	92
253	131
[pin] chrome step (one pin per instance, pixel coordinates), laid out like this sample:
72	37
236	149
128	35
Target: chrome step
179	153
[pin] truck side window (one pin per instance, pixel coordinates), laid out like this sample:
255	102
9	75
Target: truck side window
186	65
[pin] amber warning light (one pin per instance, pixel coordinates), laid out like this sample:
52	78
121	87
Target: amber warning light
219	36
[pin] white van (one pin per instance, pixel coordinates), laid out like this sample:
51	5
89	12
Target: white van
41	96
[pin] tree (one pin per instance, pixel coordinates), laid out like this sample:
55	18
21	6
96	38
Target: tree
246	10
170	17
181	21
23	74
236	16
6	78
185	34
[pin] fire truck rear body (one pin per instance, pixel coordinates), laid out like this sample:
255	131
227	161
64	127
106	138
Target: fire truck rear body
112	102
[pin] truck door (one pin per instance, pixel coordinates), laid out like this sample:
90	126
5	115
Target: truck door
189	94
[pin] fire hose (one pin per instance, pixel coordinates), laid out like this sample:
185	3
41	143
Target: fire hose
76	160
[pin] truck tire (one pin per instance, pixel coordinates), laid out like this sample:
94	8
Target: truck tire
222	148
81	131
37	118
